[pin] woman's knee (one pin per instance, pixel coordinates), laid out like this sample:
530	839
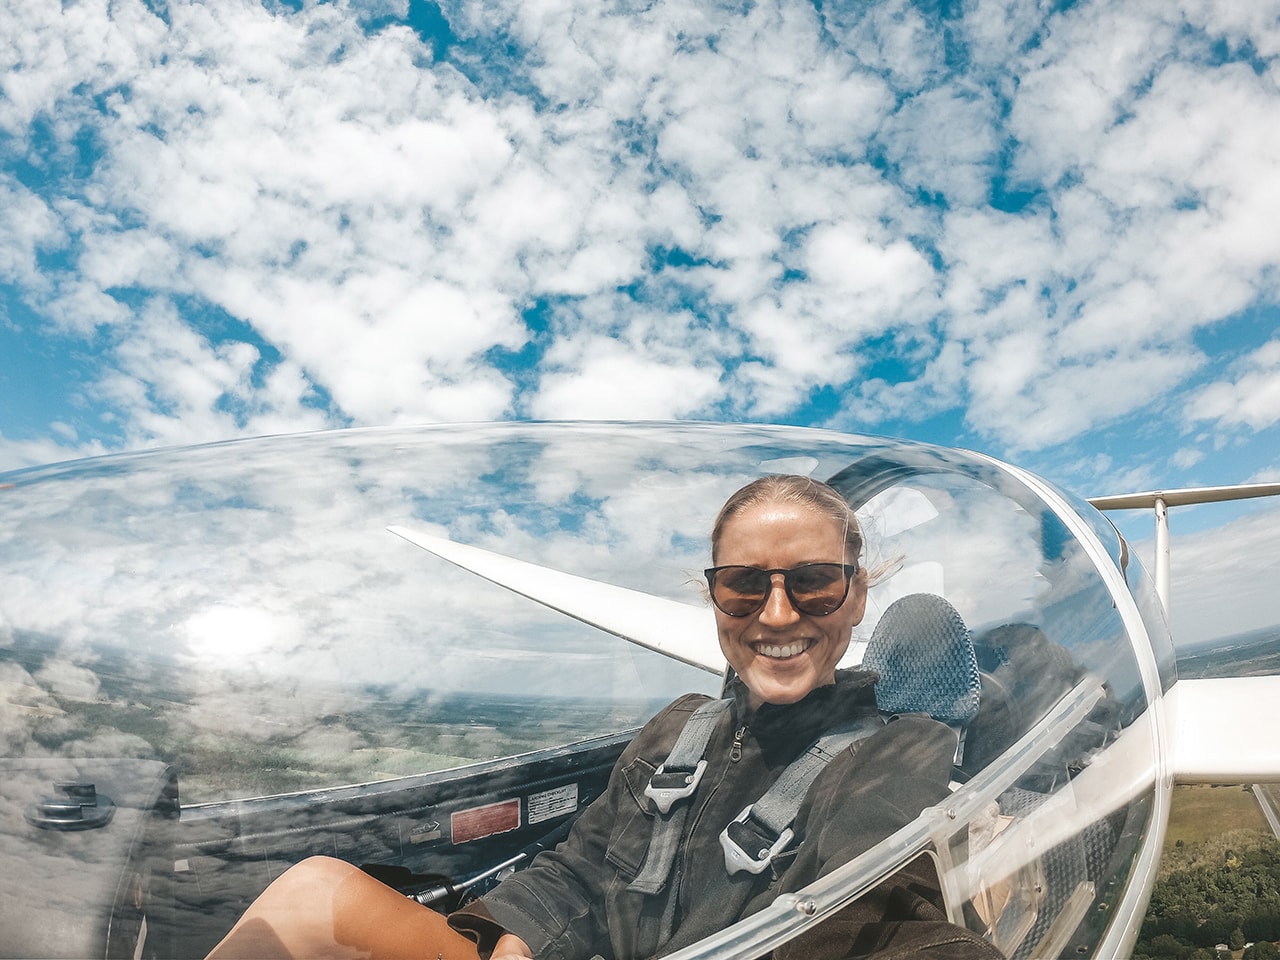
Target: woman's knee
315	876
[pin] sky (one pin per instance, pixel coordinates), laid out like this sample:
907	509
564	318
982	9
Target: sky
1043	230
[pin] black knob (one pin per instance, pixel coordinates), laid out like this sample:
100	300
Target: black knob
76	805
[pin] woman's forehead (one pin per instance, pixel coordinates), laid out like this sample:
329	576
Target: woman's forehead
779	525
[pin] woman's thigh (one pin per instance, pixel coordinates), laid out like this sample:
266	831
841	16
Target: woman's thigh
328	908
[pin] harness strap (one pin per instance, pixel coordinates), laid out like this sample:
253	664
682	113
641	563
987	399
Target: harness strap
675	780
678	776
758	834
763	829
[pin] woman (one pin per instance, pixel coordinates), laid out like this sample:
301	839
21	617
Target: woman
788	591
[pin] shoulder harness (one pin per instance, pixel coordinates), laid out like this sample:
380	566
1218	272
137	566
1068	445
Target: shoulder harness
763	829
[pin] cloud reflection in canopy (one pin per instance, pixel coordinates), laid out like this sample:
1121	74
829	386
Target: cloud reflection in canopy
242	605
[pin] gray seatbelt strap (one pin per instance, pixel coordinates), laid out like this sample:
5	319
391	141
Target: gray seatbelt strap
763	829
675	780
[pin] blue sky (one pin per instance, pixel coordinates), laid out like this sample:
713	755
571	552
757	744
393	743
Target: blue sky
1044	230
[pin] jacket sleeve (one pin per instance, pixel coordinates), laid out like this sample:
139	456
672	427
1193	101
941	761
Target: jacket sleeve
554	904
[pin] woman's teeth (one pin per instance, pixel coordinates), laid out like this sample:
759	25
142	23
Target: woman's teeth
777	652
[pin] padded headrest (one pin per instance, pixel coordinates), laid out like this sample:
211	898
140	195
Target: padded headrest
923	652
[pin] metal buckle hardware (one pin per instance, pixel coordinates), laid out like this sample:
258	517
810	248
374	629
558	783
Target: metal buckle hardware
665	797
736	858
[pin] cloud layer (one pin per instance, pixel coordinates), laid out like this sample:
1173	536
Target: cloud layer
266	219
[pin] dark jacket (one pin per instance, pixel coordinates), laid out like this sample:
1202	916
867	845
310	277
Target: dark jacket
573	902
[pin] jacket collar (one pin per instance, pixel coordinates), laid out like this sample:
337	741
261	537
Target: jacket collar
852	694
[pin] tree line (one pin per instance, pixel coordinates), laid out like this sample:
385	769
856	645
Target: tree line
1223	890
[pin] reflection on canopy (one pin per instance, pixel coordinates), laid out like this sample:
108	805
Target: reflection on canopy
240	611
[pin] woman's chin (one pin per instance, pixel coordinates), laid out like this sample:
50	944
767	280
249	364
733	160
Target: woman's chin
772	684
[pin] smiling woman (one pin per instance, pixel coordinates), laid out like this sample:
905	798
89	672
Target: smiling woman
776	531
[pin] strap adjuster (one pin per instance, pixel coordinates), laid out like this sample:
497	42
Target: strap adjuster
736	858
676	785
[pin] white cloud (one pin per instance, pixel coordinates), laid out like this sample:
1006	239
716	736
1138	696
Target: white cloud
605	379
1255	24
16	454
945	141
68	681
863	270
1078	82
937	388
182	388
1154	177
1187	457
26	226
1227	568
1250	399
1025	392
892	37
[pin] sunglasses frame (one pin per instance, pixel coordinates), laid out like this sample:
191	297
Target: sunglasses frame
849	570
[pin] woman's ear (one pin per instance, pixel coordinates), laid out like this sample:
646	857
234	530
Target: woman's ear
857	597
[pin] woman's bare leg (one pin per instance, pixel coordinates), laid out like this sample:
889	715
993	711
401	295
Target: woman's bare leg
328	908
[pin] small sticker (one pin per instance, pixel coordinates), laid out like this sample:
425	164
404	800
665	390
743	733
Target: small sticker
425	833
553	803
480	822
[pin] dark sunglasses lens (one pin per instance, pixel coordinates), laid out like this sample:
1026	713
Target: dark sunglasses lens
817	589
739	591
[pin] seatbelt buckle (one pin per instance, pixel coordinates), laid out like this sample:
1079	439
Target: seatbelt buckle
675	785
758	856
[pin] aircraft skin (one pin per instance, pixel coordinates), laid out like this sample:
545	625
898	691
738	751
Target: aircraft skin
218	660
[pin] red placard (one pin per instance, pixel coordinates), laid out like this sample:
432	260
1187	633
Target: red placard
484	821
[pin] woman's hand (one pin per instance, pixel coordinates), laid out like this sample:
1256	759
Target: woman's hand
510	947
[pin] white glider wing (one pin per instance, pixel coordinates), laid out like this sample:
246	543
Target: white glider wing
1223	730
678	630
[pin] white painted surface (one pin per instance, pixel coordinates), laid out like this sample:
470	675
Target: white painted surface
1224	730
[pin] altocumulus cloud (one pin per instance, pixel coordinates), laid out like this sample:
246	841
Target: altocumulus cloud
270	216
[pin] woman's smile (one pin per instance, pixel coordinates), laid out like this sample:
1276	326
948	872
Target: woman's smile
776	651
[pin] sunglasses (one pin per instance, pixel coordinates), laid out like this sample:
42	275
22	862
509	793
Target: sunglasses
814	589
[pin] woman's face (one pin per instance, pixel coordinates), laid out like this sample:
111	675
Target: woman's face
780	653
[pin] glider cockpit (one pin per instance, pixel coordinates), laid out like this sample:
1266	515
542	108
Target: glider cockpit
216	661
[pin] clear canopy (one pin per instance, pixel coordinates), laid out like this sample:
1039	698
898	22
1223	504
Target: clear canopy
239	613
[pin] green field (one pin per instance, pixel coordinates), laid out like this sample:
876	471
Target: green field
1200	812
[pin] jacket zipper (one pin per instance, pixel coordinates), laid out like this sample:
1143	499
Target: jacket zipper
735	751
677	868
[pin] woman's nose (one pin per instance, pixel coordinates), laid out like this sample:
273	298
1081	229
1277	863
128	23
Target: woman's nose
777	606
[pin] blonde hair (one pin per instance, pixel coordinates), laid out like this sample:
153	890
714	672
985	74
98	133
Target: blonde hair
792	488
